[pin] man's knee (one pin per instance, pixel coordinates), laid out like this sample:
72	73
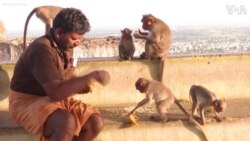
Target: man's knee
96	123
60	120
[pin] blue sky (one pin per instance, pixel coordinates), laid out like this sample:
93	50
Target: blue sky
105	14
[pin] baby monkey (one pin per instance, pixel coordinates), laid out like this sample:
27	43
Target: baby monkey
157	92
202	98
126	45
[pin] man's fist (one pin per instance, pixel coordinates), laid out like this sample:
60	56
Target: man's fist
102	77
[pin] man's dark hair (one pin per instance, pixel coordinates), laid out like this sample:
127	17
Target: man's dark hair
72	20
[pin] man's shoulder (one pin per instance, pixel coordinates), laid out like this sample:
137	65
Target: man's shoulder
41	44
41	41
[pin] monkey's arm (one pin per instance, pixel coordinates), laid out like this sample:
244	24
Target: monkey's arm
202	115
142	33
140	104
218	117
121	47
153	38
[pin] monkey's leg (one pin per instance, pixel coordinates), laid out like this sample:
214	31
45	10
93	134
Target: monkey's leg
162	107
194	108
202	114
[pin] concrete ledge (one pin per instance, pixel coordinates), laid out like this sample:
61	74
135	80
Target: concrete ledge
230	131
235	126
16	134
228	76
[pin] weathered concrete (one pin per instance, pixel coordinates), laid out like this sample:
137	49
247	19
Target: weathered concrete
234	127
233	131
228	76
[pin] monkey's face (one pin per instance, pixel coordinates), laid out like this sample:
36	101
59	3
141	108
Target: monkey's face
126	32
148	22
219	105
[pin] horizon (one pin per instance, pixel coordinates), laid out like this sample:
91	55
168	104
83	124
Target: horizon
112	14
105	32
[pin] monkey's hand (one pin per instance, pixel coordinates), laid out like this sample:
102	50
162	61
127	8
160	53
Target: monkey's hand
102	77
219	118
137	33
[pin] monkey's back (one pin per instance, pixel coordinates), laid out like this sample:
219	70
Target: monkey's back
160	91
200	93
161	47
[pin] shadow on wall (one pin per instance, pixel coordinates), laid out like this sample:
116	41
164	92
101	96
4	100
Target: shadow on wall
4	84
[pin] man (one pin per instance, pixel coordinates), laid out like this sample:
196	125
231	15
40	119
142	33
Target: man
41	87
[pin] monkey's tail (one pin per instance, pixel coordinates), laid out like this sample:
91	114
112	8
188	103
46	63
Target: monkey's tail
26	27
162	63
191	119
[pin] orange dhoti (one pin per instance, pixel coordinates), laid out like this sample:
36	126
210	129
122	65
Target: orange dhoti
31	112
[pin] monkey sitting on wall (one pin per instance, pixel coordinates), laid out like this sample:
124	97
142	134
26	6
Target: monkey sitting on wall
202	98
126	45
158	38
46	14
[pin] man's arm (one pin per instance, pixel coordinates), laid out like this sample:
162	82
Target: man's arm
61	89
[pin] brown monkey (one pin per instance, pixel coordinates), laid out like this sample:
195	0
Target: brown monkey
158	38
44	13
202	98
163	97
126	45
157	92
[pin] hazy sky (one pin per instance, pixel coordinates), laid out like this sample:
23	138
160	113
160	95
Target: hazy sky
104	14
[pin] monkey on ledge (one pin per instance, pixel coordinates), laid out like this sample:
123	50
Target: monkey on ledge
46	14
158	38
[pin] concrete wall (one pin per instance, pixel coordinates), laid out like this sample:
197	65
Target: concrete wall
228	76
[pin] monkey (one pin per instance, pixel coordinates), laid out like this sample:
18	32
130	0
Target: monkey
162	96
202	98
126	45
157	92
44	13
158	38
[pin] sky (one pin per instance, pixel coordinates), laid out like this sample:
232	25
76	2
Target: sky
118	14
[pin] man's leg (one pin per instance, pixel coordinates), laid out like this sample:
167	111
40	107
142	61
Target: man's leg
91	128
60	126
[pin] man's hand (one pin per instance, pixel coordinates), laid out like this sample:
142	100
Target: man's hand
87	89
102	77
